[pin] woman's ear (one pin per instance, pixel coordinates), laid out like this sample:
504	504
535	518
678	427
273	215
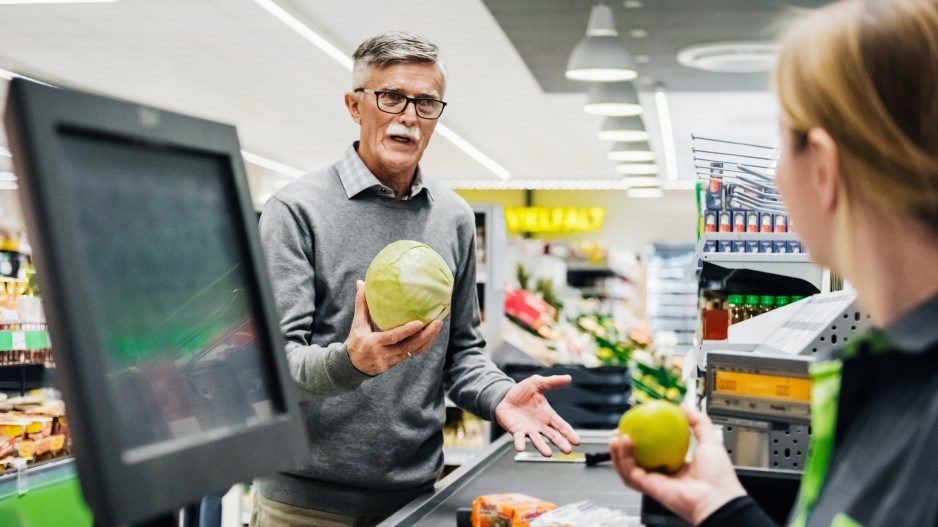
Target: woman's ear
826	174
351	102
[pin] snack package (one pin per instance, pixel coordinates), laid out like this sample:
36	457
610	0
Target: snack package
507	510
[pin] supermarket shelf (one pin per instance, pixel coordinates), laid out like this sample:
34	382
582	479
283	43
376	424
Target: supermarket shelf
38	476
751	236
23	340
791	265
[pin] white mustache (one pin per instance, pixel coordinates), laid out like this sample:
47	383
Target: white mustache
412	133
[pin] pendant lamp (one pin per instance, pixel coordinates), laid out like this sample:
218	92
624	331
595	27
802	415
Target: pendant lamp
613	99
631	152
624	129
600	56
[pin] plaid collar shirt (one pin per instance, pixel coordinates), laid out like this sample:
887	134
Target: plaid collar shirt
356	178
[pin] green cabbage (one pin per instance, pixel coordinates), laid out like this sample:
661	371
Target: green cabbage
407	281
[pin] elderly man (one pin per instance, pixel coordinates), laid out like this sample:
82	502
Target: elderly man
374	401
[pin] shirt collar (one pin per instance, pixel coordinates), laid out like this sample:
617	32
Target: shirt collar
917	330
356	178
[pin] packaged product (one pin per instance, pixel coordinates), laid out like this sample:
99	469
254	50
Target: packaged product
508	510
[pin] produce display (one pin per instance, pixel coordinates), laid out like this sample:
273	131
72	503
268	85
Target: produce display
407	281
654	376
659	433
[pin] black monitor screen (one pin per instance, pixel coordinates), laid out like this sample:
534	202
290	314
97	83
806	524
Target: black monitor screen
171	295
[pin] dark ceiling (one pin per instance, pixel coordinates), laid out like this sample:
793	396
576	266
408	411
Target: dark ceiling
545	31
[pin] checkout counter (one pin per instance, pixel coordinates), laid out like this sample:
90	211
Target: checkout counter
495	471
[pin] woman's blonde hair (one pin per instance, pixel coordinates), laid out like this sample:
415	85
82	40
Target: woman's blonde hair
866	72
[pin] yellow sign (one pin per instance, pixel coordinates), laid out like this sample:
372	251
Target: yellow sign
764	386
555	219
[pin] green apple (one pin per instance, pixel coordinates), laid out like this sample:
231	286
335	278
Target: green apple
659	433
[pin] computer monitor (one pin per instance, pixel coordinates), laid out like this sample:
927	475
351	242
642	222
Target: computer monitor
158	300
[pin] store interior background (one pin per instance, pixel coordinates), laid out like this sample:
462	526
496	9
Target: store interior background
234	61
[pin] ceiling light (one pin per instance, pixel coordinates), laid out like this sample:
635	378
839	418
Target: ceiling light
667	133
638	169
642	181
638	33
270	164
642	59
632	4
12	2
631	152
730	57
7	176
600	55
558	184
4	152
613	99
624	129
645	192
346	62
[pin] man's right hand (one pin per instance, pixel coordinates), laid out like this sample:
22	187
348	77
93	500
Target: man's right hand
373	352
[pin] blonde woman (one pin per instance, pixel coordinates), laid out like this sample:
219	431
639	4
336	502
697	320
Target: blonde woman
857	83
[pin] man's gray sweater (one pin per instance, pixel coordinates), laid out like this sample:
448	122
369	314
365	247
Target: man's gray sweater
376	441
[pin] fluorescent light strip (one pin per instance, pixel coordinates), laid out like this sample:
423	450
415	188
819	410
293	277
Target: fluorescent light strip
667	134
23	2
279	168
306	32
473	152
346	62
557	184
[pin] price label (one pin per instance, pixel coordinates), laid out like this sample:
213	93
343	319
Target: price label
11	430
27	448
19	340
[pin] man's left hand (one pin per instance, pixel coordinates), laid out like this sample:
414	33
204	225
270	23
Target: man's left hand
525	412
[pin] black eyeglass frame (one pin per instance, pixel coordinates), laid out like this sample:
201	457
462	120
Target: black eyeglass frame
408	100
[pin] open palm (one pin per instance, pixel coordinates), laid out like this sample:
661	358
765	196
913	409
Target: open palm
525	412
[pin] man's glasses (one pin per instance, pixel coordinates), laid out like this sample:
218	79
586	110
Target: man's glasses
390	102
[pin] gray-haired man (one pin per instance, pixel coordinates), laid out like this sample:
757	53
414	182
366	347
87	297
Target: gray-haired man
374	401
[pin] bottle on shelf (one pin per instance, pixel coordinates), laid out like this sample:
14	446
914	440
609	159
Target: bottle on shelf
782	301
766	304
734	303
751	306
796	298
715	318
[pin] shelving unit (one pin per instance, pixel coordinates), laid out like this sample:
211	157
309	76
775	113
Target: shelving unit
671	297
23	340
491	268
793	265
491	240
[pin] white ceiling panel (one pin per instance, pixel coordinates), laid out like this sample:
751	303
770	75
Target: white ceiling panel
230	60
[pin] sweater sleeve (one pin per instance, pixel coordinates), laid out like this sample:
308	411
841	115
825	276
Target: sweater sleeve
288	245
471	379
740	512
